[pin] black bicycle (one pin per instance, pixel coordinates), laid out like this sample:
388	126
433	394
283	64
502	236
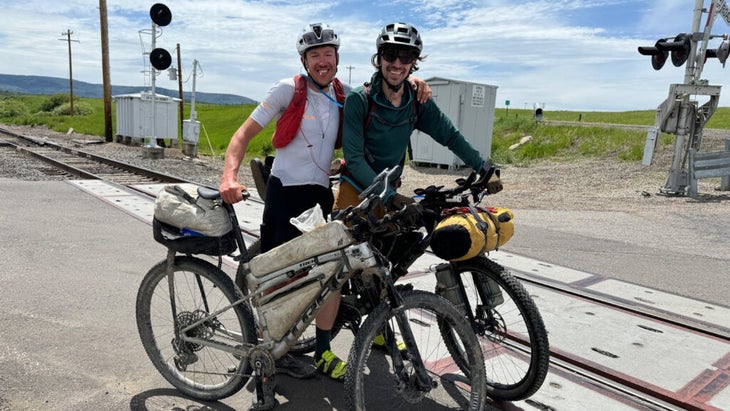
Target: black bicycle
500	312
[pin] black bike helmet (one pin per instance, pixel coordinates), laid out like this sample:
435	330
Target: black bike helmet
318	34
399	34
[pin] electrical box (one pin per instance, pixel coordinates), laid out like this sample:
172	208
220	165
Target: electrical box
135	118
191	134
470	106
191	131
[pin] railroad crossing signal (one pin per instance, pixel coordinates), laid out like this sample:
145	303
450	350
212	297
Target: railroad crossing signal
679	48
680	113
160	59
161	16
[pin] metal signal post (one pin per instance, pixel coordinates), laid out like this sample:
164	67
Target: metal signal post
681	116
160	59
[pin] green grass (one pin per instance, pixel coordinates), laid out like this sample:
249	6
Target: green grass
558	142
565	143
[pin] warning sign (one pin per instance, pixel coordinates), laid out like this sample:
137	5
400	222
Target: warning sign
478	95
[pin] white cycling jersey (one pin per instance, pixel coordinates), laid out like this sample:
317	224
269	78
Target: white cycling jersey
306	160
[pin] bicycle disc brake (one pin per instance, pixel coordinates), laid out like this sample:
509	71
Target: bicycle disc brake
492	323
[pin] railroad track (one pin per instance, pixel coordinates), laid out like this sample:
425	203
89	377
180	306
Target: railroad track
57	160
654	397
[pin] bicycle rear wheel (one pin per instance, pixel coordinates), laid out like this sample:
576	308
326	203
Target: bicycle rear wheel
509	328
372	378
197	289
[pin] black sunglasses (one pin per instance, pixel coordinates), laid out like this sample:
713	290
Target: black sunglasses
405	56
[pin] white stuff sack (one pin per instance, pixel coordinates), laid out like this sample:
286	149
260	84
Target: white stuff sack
180	206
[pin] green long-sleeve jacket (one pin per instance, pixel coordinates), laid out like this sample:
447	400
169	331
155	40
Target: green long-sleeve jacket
389	130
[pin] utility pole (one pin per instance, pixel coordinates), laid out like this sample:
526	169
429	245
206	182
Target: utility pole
349	78
180	86
105	72
68	34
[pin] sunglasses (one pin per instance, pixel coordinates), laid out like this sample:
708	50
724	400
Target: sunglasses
325	36
405	56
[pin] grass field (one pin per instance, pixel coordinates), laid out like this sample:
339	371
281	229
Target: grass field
219	122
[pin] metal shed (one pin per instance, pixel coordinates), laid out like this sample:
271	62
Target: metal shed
135	119
470	106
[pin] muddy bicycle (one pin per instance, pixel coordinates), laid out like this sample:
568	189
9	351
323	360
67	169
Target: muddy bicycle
209	337
500	311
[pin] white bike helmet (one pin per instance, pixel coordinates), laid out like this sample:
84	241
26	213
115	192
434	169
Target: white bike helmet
399	34
318	34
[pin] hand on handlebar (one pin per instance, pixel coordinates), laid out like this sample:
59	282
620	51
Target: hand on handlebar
489	180
397	201
232	192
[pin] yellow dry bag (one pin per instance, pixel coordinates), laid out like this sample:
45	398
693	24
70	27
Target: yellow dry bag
459	236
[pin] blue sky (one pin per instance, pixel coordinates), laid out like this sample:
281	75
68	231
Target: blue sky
566	54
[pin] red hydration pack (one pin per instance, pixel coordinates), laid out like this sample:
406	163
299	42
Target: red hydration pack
288	125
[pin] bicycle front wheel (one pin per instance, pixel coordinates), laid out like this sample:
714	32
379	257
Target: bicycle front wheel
509	328
375	380
166	304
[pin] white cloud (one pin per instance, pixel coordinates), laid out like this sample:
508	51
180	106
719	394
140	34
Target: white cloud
570	54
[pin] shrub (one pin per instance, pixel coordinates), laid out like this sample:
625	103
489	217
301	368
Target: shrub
80	109
56	100
13	108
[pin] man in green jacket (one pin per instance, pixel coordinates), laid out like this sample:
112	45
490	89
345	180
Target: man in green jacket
379	118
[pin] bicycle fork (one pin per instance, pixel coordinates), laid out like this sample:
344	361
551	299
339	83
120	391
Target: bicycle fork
423	382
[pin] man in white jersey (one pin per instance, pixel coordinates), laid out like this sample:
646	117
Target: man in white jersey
300	173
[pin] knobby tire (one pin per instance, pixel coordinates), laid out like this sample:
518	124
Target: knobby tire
370	379
202	372
513	338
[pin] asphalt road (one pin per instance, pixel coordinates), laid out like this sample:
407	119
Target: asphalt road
70	267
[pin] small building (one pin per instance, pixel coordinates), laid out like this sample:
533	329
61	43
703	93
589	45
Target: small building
135	117
470	106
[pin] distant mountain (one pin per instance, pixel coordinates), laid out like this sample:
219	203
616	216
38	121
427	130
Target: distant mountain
55	85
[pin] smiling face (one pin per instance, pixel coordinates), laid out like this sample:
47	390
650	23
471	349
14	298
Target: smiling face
321	64
396	64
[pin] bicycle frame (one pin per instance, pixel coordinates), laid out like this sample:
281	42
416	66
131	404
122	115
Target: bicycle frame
325	273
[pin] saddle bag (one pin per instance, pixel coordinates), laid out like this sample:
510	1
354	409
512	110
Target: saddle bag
190	224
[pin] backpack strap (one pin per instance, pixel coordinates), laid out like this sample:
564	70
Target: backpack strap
340	96
288	124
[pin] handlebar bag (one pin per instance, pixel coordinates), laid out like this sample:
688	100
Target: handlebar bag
458	236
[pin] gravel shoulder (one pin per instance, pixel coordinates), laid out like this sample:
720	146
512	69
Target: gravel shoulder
593	184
